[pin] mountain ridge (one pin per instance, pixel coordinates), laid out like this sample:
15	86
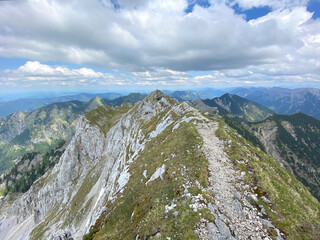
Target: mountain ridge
145	174
30	104
238	107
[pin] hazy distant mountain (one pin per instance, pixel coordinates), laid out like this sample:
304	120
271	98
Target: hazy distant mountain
30	104
294	141
284	100
238	107
45	127
190	95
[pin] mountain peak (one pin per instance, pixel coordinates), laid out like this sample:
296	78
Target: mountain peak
95	99
236	106
93	103
229	95
157	95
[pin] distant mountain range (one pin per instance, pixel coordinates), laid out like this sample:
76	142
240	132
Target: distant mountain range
284	100
30	104
191	95
279	100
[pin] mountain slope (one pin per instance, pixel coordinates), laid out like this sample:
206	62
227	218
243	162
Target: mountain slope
161	169
285	101
294	141
30	104
28	168
238	107
45	127
38	131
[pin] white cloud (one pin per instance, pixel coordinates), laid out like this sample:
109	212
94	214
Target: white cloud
37	74
35	68
160	75
34	74
158	41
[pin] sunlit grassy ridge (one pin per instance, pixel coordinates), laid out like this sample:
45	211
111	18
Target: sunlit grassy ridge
140	208
105	116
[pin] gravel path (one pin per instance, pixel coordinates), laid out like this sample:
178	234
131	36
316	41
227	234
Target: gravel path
235	217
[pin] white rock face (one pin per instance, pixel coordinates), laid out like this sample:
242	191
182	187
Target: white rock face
157	174
56	188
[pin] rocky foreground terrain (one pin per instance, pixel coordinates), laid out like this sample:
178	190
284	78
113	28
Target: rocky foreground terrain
161	169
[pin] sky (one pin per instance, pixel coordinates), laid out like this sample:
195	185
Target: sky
112	45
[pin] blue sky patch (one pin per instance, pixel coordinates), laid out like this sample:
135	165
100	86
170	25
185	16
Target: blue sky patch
11	63
252	13
192	3
314	6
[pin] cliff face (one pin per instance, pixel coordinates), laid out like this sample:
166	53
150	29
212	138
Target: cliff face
156	169
43	128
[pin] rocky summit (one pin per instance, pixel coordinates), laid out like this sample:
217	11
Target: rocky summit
161	169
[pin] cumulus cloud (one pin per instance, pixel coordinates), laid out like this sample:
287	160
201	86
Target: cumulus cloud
37	75
35	68
158	41
33	73
141	35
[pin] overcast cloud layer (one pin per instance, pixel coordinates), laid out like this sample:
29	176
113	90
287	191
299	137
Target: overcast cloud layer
157	42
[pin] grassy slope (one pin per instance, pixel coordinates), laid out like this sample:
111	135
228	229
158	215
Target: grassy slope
28	177
140	209
51	124
106	116
294	210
